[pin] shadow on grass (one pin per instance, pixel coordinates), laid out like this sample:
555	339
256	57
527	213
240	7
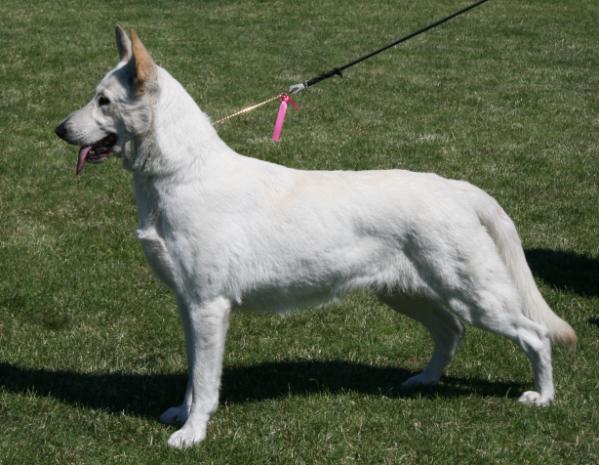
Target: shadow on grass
148	395
566	271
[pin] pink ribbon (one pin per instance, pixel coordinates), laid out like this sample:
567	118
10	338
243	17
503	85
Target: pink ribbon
285	99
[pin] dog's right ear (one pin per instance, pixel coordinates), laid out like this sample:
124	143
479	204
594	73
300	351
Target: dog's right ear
123	44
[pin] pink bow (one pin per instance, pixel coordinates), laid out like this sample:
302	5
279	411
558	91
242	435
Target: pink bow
285	99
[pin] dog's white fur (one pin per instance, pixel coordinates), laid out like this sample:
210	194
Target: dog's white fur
225	232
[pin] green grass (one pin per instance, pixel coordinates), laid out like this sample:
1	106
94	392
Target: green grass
91	349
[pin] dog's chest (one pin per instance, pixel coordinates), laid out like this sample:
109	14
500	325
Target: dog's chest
150	234
157	254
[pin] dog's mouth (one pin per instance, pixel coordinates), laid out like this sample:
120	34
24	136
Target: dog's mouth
96	153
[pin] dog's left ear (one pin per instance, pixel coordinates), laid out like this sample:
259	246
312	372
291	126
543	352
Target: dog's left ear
145	68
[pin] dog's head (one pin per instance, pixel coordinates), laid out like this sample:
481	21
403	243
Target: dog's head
121	108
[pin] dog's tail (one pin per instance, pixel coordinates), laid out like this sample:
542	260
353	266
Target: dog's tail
503	231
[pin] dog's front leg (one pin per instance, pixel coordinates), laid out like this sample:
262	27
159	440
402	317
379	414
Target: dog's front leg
180	413
208	324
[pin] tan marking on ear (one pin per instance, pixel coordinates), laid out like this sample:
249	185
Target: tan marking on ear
144	64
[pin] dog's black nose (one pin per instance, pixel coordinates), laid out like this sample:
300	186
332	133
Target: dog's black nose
61	130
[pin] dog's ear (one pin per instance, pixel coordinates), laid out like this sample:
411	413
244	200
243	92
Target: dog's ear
145	68
123	44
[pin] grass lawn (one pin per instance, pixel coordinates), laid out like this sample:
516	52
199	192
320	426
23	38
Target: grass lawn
91	348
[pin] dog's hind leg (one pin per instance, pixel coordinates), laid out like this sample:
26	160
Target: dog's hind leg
208	324
536	344
498	309
445	329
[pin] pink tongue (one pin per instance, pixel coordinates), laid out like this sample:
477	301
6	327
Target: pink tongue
83	153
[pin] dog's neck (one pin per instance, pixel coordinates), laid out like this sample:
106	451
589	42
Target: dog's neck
181	138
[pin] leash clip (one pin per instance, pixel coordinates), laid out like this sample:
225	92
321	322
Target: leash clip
297	88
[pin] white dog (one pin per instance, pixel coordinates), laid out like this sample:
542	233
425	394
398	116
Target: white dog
224	232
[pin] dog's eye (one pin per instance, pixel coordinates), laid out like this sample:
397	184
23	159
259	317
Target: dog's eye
102	101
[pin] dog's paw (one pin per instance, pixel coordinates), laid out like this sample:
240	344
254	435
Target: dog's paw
417	381
535	398
186	437
178	414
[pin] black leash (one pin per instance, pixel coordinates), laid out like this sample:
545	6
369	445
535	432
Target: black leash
295	88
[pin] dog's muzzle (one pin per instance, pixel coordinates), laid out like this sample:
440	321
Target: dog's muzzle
61	130
94	153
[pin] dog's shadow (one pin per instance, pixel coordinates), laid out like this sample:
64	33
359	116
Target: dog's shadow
566	271
149	394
